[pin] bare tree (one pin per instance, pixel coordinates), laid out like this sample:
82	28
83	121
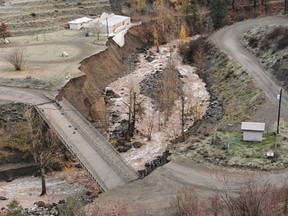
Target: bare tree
97	28
167	20
155	37
187	203
45	143
254	7
16	58
183	120
252	199
150	127
199	60
167	91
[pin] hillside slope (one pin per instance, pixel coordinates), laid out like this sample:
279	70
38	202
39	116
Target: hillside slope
270	45
28	17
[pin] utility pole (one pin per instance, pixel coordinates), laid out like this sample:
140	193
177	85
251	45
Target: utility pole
279	97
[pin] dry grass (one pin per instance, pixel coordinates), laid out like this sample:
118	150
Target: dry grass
17	137
240	95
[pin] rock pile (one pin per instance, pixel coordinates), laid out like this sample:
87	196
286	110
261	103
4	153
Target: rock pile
50	209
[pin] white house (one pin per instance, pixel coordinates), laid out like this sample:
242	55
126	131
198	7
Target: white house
80	23
113	24
252	131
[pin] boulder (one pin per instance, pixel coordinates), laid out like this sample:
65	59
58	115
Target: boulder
40	204
137	144
3	198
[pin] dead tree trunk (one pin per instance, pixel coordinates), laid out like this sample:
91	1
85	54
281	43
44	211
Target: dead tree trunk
132	114
183	118
43	181
233	4
254	7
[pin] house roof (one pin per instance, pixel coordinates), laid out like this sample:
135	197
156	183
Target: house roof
80	20
112	20
253	126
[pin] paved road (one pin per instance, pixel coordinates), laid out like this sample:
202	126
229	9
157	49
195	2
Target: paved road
95	154
227	39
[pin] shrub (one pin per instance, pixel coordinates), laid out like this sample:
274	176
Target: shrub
283	42
252	198
187	203
253	42
16	58
72	207
15	209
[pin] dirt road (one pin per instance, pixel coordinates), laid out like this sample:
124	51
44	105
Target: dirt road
227	39
155	191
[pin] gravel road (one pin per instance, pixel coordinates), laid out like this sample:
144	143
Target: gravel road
227	39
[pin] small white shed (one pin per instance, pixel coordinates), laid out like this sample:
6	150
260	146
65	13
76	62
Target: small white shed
80	23
252	131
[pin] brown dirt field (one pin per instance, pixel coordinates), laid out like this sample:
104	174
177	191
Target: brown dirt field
44	62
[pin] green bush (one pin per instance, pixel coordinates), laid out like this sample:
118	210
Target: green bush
72	207
15	209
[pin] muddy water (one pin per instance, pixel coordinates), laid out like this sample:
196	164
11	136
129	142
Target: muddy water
195	96
60	185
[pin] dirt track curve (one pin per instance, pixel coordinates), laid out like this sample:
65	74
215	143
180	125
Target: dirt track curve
227	39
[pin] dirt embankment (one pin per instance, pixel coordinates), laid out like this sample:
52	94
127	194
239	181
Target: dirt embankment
235	88
85	93
270	45
234	97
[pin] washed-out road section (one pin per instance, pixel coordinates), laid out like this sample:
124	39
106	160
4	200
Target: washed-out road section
95	154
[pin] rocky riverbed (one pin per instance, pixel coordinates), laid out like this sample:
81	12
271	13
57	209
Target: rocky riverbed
143	81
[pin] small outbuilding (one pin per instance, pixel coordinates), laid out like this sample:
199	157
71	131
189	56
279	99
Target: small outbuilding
252	131
113	24
80	23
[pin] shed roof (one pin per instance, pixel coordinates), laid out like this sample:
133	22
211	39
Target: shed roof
253	126
80	20
112	20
